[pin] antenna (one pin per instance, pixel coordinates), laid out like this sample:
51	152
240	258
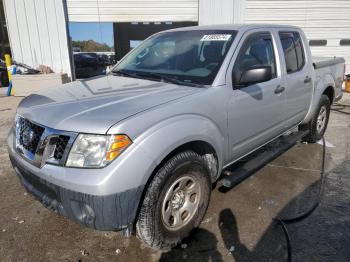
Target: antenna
101	37
99	20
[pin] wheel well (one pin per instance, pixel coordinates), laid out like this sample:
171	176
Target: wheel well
201	148
330	93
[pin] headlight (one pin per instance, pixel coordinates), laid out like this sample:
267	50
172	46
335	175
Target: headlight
96	150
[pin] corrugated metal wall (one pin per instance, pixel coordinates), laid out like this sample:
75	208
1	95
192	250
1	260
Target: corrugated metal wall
211	13
220	12
320	19
37	32
132	10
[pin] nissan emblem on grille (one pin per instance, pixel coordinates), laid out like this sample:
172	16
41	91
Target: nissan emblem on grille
39	144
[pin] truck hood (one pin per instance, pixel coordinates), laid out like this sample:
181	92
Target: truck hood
94	105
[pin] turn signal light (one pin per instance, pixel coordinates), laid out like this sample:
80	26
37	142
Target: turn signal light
117	145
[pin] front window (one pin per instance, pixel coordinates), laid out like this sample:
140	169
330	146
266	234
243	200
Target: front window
256	51
184	57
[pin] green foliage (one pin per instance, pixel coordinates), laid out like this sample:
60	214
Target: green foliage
92	46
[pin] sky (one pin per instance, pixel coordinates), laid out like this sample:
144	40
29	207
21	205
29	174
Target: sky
91	31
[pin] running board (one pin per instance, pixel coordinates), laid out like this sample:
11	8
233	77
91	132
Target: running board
259	159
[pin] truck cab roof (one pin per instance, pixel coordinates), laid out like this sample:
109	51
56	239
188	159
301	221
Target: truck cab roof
238	27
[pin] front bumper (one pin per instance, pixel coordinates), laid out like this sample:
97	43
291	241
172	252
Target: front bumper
102	212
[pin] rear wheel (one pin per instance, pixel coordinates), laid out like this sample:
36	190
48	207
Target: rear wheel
175	201
318	124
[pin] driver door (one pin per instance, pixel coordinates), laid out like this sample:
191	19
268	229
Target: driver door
256	110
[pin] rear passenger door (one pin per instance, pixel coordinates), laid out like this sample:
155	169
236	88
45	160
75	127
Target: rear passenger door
255	111
297	75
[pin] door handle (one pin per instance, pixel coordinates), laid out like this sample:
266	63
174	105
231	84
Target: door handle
307	80
279	89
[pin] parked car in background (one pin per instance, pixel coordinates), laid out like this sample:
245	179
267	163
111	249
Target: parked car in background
85	64
76	49
142	146
111	60
89	65
103	59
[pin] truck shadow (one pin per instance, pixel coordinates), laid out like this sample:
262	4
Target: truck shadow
324	236
201	245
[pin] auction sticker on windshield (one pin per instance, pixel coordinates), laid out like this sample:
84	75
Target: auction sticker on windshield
216	37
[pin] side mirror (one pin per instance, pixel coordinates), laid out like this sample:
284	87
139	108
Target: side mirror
256	74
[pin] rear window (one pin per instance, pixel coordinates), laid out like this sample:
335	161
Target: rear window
293	51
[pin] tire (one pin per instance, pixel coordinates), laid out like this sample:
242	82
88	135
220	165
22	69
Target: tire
316	126
181	185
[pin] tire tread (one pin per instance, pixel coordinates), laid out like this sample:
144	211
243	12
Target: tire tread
146	228
313	135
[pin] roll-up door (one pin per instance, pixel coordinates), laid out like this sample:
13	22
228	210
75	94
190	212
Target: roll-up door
132	10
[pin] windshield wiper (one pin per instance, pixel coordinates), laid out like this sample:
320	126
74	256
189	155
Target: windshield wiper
168	79
155	76
123	73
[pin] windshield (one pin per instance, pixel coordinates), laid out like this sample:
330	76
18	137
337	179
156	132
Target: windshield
184	57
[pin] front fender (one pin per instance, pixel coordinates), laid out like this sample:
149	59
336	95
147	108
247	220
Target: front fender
161	139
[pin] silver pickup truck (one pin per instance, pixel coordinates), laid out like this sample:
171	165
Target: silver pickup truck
140	147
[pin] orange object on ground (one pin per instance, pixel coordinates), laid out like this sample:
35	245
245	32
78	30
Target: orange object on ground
347	86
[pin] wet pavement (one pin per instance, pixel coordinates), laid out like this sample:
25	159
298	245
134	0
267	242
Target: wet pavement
239	223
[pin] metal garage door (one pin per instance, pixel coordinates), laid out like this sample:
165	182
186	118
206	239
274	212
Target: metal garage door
321	20
132	10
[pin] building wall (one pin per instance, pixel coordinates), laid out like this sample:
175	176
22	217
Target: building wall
220	12
38	34
320	19
132	10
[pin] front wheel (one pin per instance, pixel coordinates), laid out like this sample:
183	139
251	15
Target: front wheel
318	124
175	202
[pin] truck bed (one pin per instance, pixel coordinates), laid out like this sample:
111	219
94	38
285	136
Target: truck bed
319	62
330	67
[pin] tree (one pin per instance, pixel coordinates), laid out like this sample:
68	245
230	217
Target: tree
92	46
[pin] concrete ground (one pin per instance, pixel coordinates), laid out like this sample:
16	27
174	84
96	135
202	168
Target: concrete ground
238	225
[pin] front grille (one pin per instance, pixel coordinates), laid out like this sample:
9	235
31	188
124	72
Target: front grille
52	149
29	134
61	145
